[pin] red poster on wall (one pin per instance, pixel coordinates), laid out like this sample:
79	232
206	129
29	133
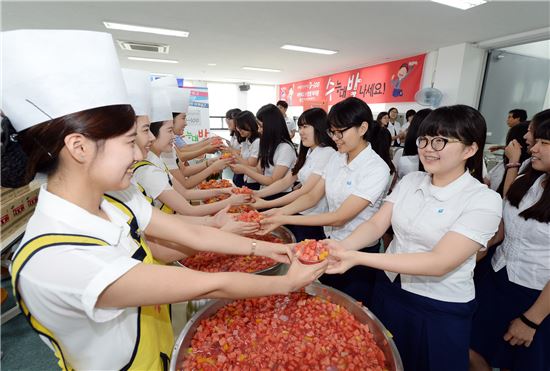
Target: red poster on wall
395	81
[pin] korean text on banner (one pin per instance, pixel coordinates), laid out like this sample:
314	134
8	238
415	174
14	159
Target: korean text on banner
198	120
395	81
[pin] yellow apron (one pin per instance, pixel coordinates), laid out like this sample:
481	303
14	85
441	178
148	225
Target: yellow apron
163	207
155	338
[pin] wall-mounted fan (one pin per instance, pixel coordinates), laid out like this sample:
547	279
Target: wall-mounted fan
429	97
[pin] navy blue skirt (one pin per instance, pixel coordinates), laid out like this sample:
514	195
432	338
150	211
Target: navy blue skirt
307	232
357	282
431	335
254	186
277	195
500	302
238	180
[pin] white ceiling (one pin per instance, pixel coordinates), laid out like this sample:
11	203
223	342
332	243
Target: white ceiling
237	34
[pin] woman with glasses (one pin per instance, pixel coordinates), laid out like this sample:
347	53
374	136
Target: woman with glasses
441	219
316	149
354	182
276	155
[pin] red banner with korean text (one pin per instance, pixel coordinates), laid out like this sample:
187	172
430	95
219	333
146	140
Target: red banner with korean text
395	81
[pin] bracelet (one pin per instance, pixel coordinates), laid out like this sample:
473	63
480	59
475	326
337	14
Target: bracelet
528	322
512	165
253	250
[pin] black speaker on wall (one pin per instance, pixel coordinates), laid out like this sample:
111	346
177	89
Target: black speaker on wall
244	87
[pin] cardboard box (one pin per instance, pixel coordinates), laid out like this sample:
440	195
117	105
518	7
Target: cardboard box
18	207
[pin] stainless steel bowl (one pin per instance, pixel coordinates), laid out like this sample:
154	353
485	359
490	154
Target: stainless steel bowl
284	234
381	335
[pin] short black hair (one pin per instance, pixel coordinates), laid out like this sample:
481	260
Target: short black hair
520	114
282	103
409	113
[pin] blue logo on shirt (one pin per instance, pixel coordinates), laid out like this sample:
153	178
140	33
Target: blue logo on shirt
348	182
440	211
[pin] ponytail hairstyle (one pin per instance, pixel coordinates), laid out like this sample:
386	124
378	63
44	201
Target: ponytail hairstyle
463	123
274	132
540	211
43	142
317	118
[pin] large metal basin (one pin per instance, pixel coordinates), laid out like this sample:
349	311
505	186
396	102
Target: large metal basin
381	334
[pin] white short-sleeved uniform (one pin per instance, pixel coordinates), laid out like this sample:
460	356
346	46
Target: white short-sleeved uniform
249	150
496	175
423	214
62	284
284	155
234	143
525	251
290	124
170	159
153	179
394	129
315	164
406	165
367	176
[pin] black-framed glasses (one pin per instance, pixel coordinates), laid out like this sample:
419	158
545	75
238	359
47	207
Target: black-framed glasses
437	143
337	134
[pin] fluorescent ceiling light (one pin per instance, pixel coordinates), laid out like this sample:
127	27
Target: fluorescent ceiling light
461	4
152	60
306	49
212	64
261	69
154	30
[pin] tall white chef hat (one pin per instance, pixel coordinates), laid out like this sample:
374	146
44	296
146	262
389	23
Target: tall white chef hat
179	99
138	86
160	105
47	74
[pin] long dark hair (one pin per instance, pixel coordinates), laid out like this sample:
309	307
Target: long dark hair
517	132
412	132
44	141
230	115
274	132
379	117
540	211
353	112
463	123
317	118
246	120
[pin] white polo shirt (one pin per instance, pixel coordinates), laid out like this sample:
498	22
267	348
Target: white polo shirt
367	176
170	159
284	155
234	143
423	214
250	150
153	179
316	162
406	165
525	251
62	284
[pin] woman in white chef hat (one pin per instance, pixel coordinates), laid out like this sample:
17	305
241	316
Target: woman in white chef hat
74	277
153	175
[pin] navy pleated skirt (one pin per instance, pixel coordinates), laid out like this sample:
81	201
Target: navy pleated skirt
357	282
500	302
238	180
431	335
254	186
